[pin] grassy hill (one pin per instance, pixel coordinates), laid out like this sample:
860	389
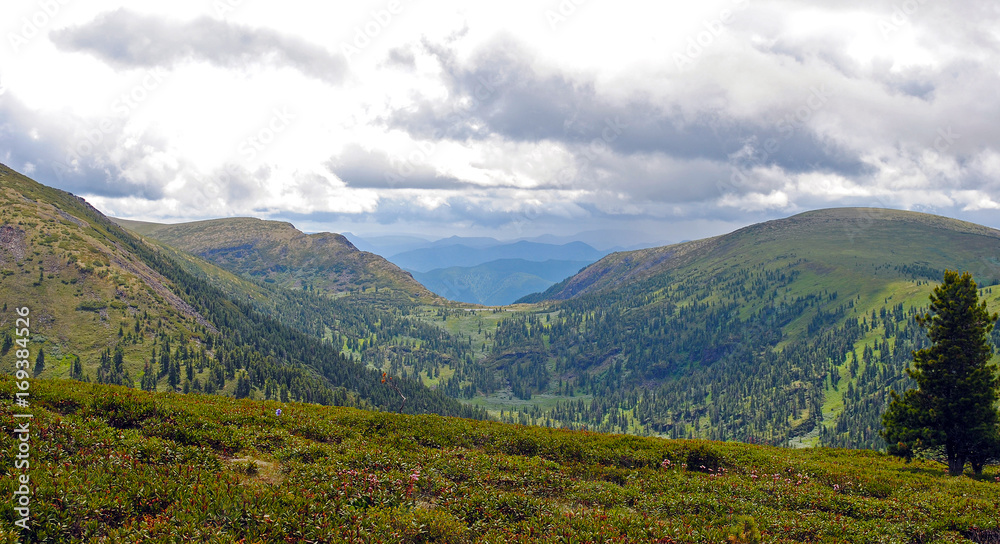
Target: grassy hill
277	253
107	306
70	267
844	244
788	332
114	465
792	329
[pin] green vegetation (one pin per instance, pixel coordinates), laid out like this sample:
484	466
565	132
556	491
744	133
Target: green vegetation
278	254
952	413
789	332
112	308
119	465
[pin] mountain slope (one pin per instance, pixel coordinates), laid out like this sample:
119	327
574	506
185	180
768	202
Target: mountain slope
845	238
277	253
105	305
790	329
112	465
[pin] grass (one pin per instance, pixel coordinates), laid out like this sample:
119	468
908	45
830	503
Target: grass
116	465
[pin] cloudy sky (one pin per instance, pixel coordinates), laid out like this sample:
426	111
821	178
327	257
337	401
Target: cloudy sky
513	119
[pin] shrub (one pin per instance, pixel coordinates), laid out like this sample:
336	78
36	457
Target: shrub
123	410
703	458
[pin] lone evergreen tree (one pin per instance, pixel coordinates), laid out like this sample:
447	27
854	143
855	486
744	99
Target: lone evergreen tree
40	362
952	412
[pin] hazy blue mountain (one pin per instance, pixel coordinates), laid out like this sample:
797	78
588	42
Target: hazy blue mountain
386	245
499	282
431	258
478	242
608	241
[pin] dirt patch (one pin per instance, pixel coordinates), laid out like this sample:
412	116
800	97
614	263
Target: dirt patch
12	241
72	219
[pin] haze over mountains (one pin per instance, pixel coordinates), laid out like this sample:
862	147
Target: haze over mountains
484	270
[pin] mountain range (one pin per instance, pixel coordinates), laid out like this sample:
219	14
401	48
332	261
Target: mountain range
786	332
487	271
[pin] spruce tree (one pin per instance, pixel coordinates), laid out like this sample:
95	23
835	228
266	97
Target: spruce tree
40	362
952	413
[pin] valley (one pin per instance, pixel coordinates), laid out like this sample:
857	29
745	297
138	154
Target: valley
786	332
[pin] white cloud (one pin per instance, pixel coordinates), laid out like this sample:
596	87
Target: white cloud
782	106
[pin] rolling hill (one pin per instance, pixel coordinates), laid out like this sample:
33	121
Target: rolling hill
786	332
840	241
107	306
793	329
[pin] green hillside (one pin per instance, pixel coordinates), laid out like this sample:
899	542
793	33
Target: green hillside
114	465
842	243
790	330
108	307
787	332
277	253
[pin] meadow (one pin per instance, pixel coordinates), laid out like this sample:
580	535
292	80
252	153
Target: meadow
110	464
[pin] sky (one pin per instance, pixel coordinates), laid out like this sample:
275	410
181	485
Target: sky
645	121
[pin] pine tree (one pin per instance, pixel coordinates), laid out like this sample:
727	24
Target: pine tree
951	414
242	387
8	342
76	370
40	362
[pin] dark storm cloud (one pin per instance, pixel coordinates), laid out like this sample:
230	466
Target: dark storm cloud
499	93
363	169
127	39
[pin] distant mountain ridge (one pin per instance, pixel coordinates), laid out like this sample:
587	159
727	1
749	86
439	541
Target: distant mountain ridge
445	256
276	252
497	283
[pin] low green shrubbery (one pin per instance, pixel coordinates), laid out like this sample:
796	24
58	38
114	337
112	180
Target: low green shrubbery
116	465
